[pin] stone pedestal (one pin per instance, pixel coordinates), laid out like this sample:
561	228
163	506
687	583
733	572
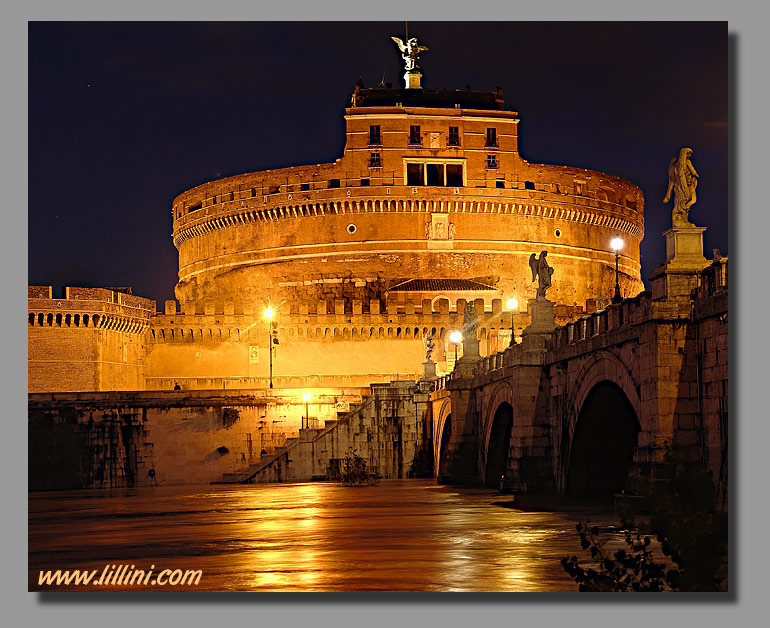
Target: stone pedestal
679	276
470	350
429	370
684	246
541	313
412	80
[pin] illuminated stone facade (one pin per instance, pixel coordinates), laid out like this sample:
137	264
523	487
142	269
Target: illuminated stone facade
430	206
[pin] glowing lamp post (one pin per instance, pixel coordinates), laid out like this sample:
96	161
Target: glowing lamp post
306	399
455	338
512	304
617	244
269	316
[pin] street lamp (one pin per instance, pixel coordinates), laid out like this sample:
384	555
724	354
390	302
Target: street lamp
512	304
617	244
268	314
306	398
455	338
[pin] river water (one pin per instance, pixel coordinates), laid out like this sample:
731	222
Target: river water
400	535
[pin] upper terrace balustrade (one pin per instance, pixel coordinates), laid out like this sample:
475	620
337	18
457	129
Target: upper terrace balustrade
245	208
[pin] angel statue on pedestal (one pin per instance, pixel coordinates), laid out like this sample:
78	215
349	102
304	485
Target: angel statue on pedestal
409	52
541	272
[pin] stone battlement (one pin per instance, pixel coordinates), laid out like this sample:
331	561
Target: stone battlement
334	321
89	308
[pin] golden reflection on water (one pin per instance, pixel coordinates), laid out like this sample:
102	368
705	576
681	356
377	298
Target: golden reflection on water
401	535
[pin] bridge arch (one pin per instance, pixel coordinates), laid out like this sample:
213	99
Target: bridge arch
441	436
602	366
602	445
501	394
498	445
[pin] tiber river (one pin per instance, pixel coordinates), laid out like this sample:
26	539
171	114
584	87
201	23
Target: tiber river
400	535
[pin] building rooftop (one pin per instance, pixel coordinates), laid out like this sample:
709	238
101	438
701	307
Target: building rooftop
437	98
440	285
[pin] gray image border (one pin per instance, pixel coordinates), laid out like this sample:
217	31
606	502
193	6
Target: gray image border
748	99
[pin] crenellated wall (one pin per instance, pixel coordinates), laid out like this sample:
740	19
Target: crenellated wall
324	343
93	339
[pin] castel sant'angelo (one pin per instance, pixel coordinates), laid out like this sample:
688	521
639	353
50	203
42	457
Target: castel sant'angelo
430	207
394	303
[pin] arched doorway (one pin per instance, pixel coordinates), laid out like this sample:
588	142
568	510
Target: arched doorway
443	452
499	444
603	444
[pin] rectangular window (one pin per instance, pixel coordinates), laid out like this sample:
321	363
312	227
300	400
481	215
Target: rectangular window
491	162
414	135
453	139
529	185
273	189
492	137
454	175
375	160
364	183
435	174
500	183
304	187
415	174
374	135
334	183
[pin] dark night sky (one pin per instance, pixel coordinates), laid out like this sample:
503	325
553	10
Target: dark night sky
124	116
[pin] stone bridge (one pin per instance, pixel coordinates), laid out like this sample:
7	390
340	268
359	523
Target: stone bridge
589	408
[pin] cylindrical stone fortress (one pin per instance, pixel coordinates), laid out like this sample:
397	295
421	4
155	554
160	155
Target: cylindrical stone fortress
431	186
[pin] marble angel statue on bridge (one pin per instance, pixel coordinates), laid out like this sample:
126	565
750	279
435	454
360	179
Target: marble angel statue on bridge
541	272
682	181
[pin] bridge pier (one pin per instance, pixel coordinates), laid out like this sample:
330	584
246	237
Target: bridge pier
462	452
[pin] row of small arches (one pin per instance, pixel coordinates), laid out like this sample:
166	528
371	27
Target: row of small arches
406	205
314	333
64	320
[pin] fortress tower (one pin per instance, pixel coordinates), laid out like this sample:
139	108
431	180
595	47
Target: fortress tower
431	186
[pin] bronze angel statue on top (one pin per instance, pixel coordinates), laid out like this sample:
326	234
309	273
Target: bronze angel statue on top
409	52
541	272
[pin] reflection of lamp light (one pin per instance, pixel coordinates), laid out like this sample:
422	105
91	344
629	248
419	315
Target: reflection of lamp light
306	398
617	244
512	304
455	338
268	314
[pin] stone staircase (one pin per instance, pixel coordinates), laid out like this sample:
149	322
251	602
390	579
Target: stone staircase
250	475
